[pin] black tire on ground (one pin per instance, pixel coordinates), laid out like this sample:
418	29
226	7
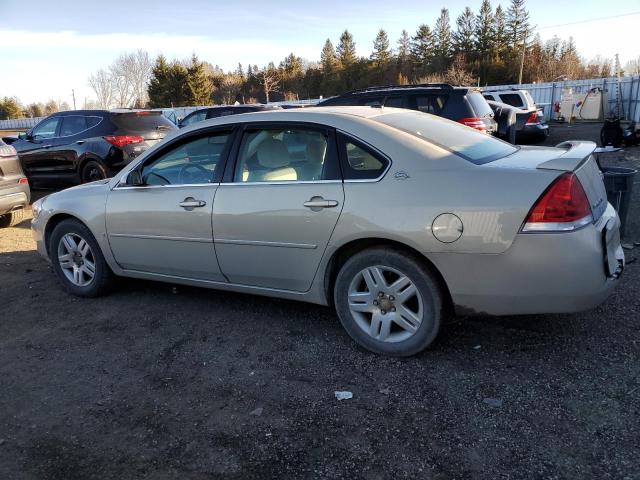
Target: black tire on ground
103	279
11	219
422	278
93	170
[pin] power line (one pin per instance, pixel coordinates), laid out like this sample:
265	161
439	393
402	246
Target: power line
630	14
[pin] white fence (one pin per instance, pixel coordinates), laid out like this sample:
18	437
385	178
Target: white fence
546	94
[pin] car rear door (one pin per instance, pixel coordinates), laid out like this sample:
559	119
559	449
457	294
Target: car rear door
164	225
277	207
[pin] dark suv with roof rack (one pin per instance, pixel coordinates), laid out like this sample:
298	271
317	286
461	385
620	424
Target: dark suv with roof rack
222	111
461	104
81	146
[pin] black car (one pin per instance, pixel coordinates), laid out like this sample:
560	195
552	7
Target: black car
222	111
80	146
461	104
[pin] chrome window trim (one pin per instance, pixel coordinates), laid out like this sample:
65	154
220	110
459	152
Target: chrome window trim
284	182
124	186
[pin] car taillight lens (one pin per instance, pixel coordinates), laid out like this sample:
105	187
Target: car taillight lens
122	140
7	151
474	122
563	207
532	119
23	181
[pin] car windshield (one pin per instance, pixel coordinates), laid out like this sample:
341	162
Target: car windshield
476	147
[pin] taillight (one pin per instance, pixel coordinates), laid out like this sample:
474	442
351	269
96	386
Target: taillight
7	151
23	181
532	119
474	122
122	140
563	207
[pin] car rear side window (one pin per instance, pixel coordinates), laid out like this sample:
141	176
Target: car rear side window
430	103
194	118
359	161
476	147
396	102
73	124
93	121
481	108
513	99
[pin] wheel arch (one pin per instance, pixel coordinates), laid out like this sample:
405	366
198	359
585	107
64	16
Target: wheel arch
53	222
342	254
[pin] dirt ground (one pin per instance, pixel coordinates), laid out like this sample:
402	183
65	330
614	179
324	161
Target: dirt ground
152	383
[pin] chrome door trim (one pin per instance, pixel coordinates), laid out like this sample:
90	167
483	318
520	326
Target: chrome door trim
284	182
260	243
162	237
124	186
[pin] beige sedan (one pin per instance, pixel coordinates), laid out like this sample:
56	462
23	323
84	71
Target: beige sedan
395	217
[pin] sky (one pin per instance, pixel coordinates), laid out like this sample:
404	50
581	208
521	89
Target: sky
49	48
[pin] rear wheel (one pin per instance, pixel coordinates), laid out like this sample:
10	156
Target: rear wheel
93	170
78	260
388	302
11	219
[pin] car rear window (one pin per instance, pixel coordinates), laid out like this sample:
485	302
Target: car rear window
480	106
141	121
513	99
476	147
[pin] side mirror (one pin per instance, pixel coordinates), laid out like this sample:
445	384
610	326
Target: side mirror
134	178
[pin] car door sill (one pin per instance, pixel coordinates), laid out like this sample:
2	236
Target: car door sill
237	287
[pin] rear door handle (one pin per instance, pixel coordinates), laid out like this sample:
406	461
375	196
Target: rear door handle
190	203
319	202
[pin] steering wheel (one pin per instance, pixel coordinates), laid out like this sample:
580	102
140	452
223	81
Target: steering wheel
201	176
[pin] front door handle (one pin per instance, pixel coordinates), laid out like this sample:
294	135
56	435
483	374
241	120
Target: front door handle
316	203
190	203
80	142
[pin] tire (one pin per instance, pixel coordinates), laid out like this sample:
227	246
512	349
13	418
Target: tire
379	323
11	219
93	170
76	232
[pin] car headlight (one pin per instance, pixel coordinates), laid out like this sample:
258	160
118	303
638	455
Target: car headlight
36	207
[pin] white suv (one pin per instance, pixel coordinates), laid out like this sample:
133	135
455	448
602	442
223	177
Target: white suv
516	98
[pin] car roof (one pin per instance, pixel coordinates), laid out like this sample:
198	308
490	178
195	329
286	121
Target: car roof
408	88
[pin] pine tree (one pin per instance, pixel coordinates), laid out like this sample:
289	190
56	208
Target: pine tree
499	31
381	53
158	89
422	49
463	37
240	71
517	23
328	57
346	49
442	34
484	35
403	56
198	83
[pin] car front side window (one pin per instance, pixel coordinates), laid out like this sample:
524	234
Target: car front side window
194	162
47	129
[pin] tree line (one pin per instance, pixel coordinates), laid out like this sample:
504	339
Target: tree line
488	47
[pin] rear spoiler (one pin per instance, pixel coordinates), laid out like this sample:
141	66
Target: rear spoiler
576	153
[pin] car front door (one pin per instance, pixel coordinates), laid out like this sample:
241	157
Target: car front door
163	226
277	207
35	151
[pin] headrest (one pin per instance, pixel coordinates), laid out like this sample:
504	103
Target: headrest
272	153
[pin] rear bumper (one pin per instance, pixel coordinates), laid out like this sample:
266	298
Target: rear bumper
14	198
539	273
533	133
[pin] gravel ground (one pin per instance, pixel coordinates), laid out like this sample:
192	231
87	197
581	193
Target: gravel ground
156	383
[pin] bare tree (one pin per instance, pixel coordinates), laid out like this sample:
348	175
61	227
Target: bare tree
269	80
100	83
129	75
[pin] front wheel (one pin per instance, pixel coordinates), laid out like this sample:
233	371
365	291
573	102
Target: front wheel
388	302
78	260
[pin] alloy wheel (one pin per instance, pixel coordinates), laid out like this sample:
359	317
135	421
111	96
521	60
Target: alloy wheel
76	259
385	303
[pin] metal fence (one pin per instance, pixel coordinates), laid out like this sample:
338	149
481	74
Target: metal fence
546	94
19	123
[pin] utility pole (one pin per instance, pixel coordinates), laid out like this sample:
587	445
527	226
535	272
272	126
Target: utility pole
73	94
524	49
